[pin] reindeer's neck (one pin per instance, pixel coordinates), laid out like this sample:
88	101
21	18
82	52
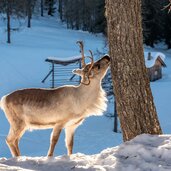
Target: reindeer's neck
92	98
90	93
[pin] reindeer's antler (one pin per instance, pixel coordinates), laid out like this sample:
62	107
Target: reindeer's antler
91	66
82	53
83	59
92	61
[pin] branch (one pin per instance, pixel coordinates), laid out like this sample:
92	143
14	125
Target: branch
168	6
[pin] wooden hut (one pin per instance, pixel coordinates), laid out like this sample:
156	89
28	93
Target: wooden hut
154	62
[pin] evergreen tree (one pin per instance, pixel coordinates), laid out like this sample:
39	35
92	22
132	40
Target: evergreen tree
167	24
87	15
167	30
50	7
152	21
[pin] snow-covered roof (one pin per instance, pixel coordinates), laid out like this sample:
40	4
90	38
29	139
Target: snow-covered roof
63	61
154	55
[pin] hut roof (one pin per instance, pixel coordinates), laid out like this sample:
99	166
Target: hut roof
63	61
154	56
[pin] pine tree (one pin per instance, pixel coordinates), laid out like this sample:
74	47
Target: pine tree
152	21
50	7
167	23
87	15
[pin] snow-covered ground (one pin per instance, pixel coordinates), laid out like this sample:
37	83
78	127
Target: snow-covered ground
22	65
143	153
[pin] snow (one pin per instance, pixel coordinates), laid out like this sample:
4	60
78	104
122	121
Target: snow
143	153
22	65
154	55
65	59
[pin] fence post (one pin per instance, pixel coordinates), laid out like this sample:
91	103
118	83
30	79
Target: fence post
115	118
53	76
80	68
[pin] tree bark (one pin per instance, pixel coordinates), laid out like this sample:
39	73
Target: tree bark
135	106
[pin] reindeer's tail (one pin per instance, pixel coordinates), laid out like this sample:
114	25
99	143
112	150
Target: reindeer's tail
2	102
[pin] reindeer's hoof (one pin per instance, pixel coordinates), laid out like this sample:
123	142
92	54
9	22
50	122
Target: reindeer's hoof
50	155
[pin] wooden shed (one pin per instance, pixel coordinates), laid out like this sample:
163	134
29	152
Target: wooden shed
154	62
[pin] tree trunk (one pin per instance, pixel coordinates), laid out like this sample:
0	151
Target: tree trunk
42	6
29	13
60	9
135	106
50	10
8	13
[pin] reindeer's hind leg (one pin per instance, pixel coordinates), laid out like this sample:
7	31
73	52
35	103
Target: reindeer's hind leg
54	138
12	139
20	133
69	136
17	128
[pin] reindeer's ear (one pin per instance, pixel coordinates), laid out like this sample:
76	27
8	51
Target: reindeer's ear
78	71
91	74
106	56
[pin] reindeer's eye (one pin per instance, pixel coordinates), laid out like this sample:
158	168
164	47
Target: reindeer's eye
98	66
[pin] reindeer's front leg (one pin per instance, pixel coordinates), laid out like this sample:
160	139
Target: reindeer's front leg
54	138
69	136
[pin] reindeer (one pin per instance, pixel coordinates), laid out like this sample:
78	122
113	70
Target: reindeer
64	107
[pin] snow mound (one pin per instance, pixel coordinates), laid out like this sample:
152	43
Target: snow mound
145	152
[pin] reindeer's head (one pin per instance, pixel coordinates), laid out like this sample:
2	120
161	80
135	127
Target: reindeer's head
93	70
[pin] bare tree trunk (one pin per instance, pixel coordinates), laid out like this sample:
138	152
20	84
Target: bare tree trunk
50	10
42	6
8	13
135	106
60	9
29	13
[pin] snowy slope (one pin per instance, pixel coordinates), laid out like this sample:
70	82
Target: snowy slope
143	153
